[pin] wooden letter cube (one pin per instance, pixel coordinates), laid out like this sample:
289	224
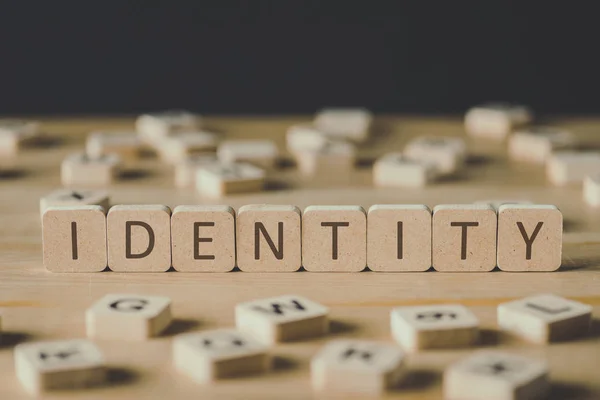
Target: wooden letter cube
80	170
567	167
488	375
395	170
75	197
529	237
154	127
128	317
178	147
345	123
337	158
304	137
282	319
74	239
139	238
268	238
447	154
399	238
536	144
64	364
434	327
203	238
591	189
496	121
125	144
334	238
217	354
357	367
261	153
464	237
217	180
14	133
545	318
185	171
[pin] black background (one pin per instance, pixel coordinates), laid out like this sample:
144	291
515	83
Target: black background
122	57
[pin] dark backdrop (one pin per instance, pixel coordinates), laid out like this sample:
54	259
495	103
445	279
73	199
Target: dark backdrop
296	56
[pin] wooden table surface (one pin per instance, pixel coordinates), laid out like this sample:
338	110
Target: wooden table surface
38	305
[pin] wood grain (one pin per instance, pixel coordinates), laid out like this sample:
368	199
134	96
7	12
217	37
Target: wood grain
36	304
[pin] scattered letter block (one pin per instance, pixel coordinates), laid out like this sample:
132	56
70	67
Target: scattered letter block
217	354
434	327
334	238
536	144
529	237
496	121
128	317
125	144
14	133
464	237
591	189
545	318
75	197
202	238
566	167
490	375
154	127
335	157
64	364
268	238
357	367
80	170
217	180
178	147
185	171
261	153
304	137
282	319
139	238
399	238
395	170
447	154
351	123
74	239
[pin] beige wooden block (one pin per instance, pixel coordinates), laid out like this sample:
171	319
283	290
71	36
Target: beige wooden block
434	327
399	237
492	375
345	123
139	238
14	133
155	126
75	197
179	147
464	237
203	238
59	365
567	167
447	154
218	354
591	189
126	145
536	144
217	180
357	367
496	203
334	239
545	318
336	158
529	237
74	239
269	238
258	152
282	319
396	170
80	170
185	170
128	317
304	137
496	121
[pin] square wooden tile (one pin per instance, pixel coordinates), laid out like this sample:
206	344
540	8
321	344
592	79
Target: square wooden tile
529	237
14	133
399	237
259	152
185	171
591	189
203	238
179	147
75	197
464	237
139	238
395	170
153	127
334	239
80	170
218	180
269	238
345	123
126	145
447	154
496	120
570	167
335	157
74	239
536	144
304	137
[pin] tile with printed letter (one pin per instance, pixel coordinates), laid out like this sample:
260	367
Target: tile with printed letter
282	319
436	326
128	317
218	179
545	318
496	120
153	127
396	170
357	367
345	123
217	354
75	197
446	154
80	170
261	153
